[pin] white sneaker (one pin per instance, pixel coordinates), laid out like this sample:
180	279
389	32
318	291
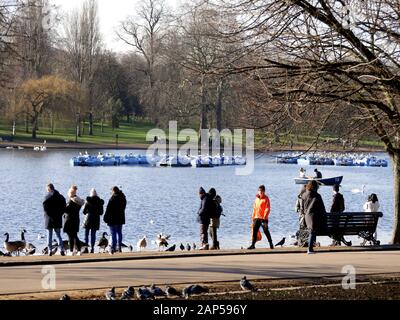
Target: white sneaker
310	252
70	254
79	253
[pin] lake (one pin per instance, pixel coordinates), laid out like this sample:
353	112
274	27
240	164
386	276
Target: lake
169	196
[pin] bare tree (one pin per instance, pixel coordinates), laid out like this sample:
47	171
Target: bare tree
322	59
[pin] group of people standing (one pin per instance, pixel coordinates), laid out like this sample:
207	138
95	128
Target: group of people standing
60	213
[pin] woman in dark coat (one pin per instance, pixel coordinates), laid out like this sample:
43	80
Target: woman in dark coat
71	220
315	213
92	210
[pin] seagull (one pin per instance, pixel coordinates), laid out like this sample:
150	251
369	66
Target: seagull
144	294
103	241
362	190
65	297
110	295
246	285
172	248
156	291
142	244
171	291
281	243
188	247
194	246
182	247
128	293
193	289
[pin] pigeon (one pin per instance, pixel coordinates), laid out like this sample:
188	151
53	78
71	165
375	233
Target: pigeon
130	248
142	244
172	248
65	297
193	289
103	242
188	247
246	285
171	291
156	291
144	294
281	243
194	246
110	295
128	293
54	248
30	249
182	247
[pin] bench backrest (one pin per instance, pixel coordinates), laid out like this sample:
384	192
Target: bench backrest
352	223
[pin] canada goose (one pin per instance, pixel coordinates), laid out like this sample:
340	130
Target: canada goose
13	246
103	241
142	244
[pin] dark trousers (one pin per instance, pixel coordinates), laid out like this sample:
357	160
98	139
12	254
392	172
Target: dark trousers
214	236
92	233
311	240
204	234
257	223
116	237
74	241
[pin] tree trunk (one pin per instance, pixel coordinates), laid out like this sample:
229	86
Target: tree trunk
52	124
90	124
34	128
27	123
218	110
396	188
203	110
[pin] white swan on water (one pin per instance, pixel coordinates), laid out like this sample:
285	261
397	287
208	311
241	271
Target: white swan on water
362	190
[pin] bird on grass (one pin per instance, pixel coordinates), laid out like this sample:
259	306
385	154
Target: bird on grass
182	247
188	247
156	291
246	285
128	293
281	243
144	294
141	244
65	297
193	289
110	294
172	248
171	291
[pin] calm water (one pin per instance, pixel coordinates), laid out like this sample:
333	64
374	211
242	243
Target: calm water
169	196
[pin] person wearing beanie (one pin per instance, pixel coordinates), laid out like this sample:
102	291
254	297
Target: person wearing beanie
93	209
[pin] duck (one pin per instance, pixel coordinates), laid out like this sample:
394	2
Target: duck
103	241
142	244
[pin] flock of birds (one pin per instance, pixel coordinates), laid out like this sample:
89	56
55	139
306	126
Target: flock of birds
153	292
22	246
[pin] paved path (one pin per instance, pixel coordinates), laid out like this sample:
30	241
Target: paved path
24	279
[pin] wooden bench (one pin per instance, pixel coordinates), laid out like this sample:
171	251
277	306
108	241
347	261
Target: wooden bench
362	224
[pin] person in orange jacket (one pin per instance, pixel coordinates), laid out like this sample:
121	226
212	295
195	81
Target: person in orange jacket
260	216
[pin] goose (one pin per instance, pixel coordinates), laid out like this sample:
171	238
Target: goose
246	285
13	246
103	241
142	244
23	237
128	293
362	190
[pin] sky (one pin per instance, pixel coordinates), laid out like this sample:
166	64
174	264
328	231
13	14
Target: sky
111	13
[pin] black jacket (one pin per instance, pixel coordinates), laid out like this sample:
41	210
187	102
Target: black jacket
54	207
314	210
115	212
93	209
207	209
71	217
337	203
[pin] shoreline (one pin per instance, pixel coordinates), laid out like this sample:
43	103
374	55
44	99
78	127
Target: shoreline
143	146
